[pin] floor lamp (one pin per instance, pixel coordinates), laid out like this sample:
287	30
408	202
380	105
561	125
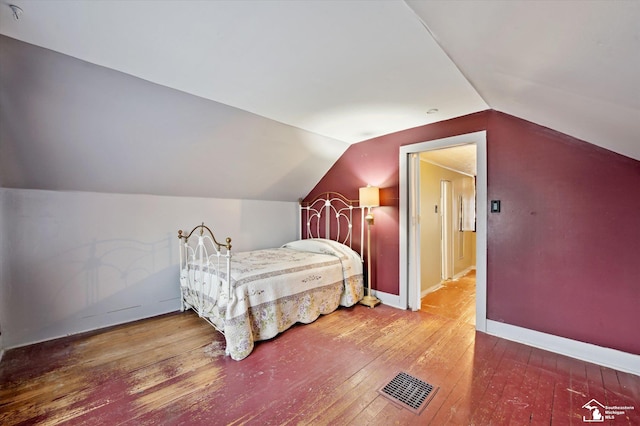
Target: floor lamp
369	198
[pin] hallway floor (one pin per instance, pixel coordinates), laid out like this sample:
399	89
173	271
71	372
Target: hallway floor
454	300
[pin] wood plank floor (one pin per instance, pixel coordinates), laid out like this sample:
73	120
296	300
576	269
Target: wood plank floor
172	370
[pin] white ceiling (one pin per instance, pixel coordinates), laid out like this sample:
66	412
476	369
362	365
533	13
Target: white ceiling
349	70
338	72
461	158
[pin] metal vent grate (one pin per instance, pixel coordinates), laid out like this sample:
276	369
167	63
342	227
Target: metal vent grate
409	392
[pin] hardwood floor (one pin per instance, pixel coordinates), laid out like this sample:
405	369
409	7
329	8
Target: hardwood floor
455	300
172	370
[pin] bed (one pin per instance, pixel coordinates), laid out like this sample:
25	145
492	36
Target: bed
255	295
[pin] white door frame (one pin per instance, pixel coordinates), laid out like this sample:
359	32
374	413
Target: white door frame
446	230
410	221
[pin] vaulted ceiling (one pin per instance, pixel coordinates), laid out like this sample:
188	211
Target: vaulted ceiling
257	99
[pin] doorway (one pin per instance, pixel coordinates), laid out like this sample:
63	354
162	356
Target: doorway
410	216
446	229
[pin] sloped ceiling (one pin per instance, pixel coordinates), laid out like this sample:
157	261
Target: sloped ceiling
572	66
264	96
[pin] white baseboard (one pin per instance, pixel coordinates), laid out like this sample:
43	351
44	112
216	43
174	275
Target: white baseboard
588	352
607	357
438	286
463	273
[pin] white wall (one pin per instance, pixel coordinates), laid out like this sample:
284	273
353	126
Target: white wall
430	250
77	261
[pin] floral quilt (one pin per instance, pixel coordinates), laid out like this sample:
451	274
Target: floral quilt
273	289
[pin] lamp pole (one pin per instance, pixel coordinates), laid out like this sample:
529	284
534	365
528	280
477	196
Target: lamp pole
369	300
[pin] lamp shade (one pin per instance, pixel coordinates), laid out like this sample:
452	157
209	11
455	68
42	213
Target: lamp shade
370	196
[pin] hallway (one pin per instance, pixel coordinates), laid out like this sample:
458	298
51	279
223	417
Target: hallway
455	300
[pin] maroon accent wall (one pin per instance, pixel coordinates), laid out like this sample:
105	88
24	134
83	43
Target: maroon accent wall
376	162
563	254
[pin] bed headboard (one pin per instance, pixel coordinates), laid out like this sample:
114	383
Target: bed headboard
331	215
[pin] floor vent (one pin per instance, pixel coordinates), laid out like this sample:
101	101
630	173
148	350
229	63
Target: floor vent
409	392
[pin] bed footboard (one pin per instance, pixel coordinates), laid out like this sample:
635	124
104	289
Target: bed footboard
205	266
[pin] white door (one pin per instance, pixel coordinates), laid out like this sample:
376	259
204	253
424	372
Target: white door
446	230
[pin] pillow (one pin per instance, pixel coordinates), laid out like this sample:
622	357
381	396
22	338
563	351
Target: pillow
323	246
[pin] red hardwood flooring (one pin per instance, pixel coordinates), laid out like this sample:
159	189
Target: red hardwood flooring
171	370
